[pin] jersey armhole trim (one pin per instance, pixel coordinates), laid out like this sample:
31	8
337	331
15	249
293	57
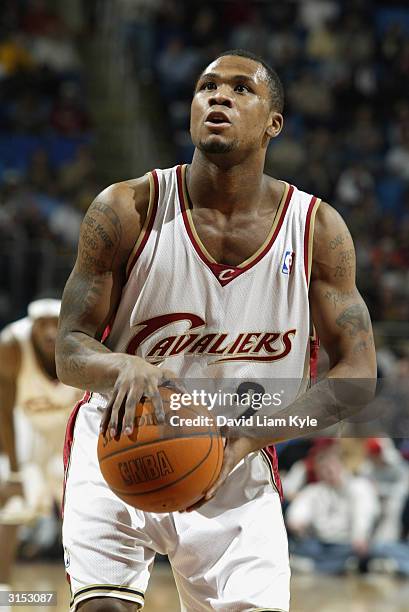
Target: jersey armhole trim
309	236
147	226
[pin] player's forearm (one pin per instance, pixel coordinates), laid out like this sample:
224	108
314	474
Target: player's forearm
85	363
342	394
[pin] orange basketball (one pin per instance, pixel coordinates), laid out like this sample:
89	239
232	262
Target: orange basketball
163	467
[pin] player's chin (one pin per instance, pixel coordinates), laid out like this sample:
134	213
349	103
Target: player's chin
216	143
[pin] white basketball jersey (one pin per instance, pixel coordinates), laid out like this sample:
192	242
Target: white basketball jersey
200	318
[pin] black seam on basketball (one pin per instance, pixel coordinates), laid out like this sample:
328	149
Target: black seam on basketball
169	484
208	434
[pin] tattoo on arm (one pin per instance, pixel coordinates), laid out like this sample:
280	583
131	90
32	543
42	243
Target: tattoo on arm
338	240
100	238
338	298
345	264
83	294
363	345
354	319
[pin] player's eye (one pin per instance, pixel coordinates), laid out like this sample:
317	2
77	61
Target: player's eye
241	88
208	85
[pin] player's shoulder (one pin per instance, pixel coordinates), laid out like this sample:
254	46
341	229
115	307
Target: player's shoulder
17	331
330	231
126	196
117	215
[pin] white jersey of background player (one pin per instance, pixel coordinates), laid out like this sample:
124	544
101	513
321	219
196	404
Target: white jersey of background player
34	408
212	269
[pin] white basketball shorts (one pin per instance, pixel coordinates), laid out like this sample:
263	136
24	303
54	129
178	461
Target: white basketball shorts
229	555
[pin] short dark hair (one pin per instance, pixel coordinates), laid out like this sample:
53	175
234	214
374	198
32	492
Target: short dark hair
273	80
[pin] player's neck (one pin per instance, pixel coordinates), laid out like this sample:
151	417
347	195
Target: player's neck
226	188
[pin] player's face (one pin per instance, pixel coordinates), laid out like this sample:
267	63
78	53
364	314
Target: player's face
44	333
329	468
231	107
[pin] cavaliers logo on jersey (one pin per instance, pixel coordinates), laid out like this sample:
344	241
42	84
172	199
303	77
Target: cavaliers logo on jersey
223	347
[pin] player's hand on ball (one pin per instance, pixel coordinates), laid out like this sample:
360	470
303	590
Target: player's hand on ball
136	378
234	451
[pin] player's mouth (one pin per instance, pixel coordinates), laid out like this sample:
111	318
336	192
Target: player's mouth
217	120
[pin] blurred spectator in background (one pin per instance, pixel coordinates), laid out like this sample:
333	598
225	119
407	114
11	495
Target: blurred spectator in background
385	467
331	520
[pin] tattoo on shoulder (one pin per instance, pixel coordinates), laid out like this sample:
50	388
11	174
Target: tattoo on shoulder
109	212
338	240
354	319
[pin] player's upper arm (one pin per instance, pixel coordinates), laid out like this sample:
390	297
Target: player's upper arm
108	234
339	313
10	356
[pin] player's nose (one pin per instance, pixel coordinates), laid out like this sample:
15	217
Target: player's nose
220	98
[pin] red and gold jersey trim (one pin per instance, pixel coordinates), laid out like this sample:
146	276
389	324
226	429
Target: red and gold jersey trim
225	273
309	236
69	439
147	226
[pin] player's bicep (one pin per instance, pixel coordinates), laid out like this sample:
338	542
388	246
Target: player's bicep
339	313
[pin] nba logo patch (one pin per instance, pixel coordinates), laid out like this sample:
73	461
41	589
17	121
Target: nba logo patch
288	262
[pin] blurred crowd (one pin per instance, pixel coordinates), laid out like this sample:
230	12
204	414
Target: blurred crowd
47	175
345	70
347	505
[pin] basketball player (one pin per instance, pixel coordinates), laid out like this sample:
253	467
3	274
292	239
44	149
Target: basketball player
213	268
34	408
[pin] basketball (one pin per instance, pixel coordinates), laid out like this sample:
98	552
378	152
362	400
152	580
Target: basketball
163	467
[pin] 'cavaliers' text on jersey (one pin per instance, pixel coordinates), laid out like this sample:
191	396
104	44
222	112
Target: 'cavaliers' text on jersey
200	318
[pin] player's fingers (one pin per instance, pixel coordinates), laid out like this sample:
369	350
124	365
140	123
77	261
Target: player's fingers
169	379
107	413
152	392
132	400
113	426
175	385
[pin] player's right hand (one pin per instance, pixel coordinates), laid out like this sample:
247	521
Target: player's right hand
136	378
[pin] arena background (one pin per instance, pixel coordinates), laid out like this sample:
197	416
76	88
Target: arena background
97	91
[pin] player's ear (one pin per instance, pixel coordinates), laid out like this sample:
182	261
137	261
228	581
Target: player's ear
275	124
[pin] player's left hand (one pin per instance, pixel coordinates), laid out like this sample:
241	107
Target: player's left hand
234	451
